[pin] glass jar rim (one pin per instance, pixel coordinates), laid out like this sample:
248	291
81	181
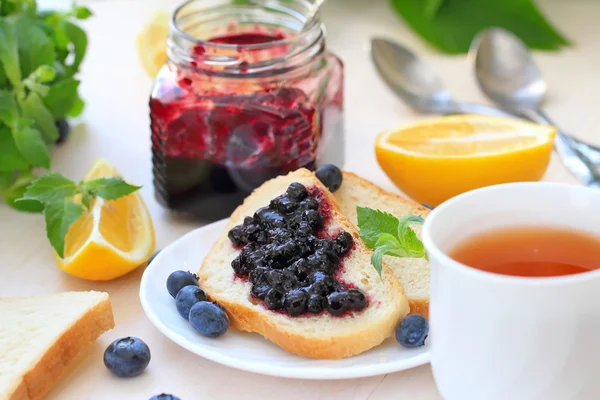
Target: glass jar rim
314	26
303	42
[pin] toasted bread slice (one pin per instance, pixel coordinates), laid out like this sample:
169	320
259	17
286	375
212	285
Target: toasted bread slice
41	336
413	272
317	336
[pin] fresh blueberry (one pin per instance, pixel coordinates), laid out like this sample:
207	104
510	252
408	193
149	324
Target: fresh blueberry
209	319
127	357
337	303
63	130
412	331
180	279
357	300
187	297
153	256
330	176
164	396
427	206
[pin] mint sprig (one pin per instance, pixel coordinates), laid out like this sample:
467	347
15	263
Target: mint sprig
40	56
451	25
387	235
53	195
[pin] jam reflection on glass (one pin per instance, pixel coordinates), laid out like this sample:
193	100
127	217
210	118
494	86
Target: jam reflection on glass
292	264
214	139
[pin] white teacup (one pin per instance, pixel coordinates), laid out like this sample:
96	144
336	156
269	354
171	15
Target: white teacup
499	337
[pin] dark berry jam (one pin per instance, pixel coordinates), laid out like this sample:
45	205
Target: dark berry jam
247	38
216	137
290	268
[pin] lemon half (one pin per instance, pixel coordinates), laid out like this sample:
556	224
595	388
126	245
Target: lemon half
438	158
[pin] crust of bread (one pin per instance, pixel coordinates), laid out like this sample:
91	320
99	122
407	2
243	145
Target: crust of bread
420	304
38	381
253	319
416	207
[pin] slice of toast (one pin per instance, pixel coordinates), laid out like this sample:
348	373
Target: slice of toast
41	336
413	272
316	336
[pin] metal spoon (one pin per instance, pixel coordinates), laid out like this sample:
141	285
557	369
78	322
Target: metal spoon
508	75
415	83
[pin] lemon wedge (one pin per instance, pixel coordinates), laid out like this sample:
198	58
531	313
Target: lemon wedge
152	43
438	158
113	238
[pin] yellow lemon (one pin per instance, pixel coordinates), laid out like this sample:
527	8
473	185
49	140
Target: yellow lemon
435	159
152	43
113	238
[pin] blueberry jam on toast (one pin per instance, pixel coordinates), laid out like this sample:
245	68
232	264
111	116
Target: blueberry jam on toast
291	266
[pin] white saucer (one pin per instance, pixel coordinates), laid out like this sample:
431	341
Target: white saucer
245	351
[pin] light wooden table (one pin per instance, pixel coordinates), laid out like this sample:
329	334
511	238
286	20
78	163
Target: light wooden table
115	126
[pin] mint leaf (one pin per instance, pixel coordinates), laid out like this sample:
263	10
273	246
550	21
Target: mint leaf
50	188
386	244
109	188
9	52
8	108
377	258
11	158
35	47
6	179
388	235
12	196
61	97
77	108
33	108
53	26
44	73
408	238
2	75
432	7
458	21
30	143
374	223
60	215
78	37
81	12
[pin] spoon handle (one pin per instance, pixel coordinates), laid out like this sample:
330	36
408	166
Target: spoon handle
577	162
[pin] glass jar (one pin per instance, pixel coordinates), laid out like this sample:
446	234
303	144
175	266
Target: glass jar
245	96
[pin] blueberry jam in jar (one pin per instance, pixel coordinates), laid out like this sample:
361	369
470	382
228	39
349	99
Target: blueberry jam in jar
291	266
245	96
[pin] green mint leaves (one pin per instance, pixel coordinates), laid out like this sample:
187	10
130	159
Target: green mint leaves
60	215
53	195
40	55
388	235
451	25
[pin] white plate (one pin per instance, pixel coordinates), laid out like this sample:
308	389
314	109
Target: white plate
245	351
